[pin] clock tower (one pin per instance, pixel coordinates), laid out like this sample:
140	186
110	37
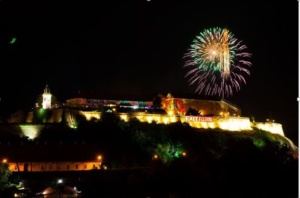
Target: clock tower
46	98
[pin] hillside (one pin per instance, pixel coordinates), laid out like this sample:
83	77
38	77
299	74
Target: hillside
165	160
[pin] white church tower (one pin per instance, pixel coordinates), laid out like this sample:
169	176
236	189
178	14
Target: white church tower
47	98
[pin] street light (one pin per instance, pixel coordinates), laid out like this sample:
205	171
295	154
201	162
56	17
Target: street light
59	187
99	159
4	160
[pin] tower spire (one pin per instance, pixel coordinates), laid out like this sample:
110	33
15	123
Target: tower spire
46	98
46	90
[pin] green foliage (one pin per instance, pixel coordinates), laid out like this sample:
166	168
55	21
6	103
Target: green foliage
5	175
259	143
155	139
168	152
41	115
162	150
281	142
268	136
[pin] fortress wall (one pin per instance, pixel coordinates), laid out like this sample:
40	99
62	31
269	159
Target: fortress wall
225	123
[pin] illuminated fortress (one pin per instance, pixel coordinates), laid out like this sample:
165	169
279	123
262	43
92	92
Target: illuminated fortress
198	113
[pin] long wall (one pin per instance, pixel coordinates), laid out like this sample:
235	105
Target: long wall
269	126
53	166
225	123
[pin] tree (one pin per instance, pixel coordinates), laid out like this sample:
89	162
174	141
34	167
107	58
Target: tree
109	118
192	112
5	174
157	101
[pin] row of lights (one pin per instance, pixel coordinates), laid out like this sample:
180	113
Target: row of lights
155	156
99	158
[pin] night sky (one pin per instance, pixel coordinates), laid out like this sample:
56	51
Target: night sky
137	47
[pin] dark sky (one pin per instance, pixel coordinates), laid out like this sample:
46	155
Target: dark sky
137	47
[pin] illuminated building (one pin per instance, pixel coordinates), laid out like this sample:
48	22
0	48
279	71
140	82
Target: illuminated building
46	98
29	166
213	107
51	156
197	112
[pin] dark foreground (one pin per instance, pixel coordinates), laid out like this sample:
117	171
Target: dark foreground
180	179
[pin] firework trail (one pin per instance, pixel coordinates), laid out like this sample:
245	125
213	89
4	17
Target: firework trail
217	63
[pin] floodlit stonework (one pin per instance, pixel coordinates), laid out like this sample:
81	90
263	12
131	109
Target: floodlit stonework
206	113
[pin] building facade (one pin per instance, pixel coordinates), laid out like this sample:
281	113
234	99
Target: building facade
54	166
46	98
198	113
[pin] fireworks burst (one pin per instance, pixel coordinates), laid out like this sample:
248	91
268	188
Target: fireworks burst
218	63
